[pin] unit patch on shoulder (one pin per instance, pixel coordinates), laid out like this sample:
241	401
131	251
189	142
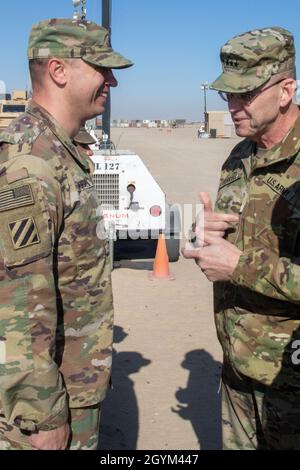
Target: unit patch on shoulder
16	197
24	233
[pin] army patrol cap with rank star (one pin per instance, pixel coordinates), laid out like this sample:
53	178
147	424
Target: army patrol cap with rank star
251	59
69	38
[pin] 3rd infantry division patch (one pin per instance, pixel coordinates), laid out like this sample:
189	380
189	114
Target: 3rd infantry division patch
24	233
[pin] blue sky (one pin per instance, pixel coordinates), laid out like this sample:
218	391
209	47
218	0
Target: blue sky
173	43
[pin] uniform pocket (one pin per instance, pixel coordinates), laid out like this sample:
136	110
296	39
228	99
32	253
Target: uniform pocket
281	235
89	241
15	335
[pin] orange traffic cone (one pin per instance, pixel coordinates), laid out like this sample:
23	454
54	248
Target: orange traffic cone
161	262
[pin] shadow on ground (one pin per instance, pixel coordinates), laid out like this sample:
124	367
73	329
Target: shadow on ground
200	401
120	419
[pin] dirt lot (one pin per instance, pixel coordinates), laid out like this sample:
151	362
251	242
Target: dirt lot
167	358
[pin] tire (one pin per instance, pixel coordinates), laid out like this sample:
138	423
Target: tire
111	252
173	247
173	231
111	240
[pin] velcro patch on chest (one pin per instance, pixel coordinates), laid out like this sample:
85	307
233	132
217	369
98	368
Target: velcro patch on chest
23	233
83	185
16	197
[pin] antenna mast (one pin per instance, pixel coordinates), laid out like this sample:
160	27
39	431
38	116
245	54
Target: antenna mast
77	15
106	22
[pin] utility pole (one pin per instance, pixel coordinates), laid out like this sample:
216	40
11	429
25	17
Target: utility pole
106	22
204	87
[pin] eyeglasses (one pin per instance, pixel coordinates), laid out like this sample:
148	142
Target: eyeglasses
248	96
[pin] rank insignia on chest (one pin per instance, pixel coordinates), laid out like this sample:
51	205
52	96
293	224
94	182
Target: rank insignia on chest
23	233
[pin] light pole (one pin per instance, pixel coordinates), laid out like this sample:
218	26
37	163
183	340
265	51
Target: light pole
204	87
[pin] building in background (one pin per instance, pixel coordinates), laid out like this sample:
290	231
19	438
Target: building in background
12	106
219	124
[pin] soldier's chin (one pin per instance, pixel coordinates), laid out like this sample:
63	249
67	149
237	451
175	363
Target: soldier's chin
95	112
100	106
242	130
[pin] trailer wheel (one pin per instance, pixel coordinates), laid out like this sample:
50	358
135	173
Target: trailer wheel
173	247
111	241
172	232
111	252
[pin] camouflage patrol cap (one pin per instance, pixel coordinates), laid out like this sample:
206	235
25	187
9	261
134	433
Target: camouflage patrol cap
83	137
251	59
69	38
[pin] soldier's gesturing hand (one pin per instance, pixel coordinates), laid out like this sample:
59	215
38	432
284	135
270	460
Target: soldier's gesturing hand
56	439
210	223
217	260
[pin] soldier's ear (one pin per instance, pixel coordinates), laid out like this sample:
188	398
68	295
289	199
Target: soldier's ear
57	71
288	88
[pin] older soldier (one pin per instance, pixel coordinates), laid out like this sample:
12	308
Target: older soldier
56	314
252	246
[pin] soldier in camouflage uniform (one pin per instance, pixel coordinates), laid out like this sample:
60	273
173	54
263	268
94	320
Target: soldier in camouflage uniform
56	314
251	245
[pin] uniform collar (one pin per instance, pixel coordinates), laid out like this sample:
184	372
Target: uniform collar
42	114
284	150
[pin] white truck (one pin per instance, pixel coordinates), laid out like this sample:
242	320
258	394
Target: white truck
134	205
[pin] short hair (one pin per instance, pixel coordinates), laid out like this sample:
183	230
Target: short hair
288	74
37	69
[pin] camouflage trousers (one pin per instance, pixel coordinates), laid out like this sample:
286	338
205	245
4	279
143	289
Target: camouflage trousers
259	417
84	424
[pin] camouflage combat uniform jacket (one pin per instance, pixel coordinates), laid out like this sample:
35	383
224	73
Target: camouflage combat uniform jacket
257	314
56	313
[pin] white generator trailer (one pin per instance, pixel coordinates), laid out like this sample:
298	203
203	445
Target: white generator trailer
134	206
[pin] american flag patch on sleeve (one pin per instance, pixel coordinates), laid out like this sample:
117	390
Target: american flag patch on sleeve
16	197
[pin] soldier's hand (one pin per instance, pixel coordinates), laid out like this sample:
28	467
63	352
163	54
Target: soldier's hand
56	439
217	260
212	224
